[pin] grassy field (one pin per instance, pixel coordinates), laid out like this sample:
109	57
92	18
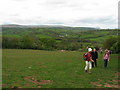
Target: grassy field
55	69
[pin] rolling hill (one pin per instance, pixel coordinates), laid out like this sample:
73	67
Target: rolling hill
80	36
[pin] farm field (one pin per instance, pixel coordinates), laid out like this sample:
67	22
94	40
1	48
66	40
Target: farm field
55	69
57	38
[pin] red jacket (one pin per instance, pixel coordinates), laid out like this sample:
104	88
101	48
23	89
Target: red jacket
88	56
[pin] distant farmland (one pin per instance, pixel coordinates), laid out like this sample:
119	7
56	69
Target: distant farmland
55	38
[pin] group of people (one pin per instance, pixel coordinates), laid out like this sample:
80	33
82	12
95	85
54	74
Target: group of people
91	58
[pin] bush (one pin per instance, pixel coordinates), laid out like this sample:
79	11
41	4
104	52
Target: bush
113	44
12	42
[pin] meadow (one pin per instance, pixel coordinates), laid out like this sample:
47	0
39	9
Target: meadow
24	68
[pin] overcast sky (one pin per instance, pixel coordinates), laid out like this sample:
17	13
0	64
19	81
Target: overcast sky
82	13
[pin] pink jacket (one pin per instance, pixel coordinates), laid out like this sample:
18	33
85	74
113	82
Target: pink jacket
106	56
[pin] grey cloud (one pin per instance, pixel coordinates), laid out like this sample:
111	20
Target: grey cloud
103	20
14	15
19	0
37	20
52	21
55	3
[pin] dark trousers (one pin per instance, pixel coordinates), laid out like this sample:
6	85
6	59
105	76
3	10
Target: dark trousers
105	62
95	62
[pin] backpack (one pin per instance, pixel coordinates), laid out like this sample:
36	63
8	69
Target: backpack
85	56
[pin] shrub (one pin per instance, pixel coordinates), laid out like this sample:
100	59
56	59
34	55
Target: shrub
112	43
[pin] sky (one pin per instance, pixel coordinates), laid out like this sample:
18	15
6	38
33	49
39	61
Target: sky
76	13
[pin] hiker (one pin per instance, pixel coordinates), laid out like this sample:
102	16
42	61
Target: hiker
94	54
110	51
88	60
101	51
106	57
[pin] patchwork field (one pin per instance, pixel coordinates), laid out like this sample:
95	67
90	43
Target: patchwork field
55	69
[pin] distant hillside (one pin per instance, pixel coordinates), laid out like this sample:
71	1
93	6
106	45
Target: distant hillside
47	26
10	25
58	32
45	37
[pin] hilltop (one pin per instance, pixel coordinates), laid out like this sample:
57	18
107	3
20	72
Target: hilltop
47	26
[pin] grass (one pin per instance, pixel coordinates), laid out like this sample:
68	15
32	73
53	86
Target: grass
64	69
17	36
99	39
43	36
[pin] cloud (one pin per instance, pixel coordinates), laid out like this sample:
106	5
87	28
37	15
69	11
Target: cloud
102	13
103	20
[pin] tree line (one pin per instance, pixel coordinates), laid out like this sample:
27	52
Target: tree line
29	42
32	42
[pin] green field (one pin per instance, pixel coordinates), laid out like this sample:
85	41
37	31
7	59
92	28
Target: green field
55	69
57	38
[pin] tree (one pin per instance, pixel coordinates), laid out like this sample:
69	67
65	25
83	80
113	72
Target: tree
28	42
112	43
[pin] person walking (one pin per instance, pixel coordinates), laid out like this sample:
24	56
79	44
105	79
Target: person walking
88	60
94	54
106	57
101	51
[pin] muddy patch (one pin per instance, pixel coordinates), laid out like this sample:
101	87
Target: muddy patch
45	82
98	84
38	82
118	73
109	85
116	81
4	85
